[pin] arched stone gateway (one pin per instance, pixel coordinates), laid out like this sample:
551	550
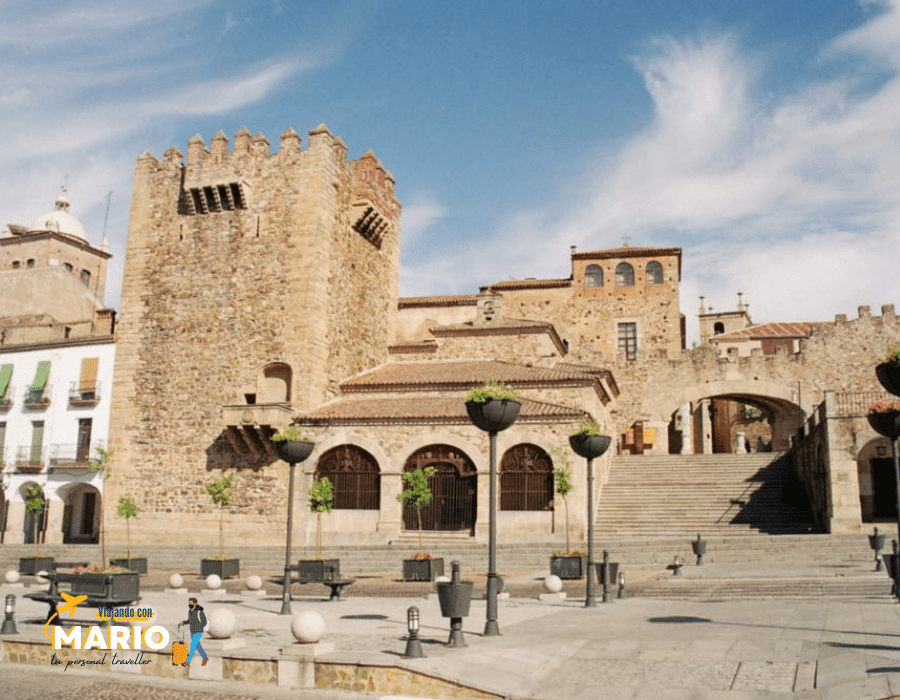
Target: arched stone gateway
81	514
731	416
454	487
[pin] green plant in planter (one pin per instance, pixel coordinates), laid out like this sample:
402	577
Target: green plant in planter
321	500
102	465
491	389
417	494
220	492
127	509
562	479
893	355
587	427
35	504
292	433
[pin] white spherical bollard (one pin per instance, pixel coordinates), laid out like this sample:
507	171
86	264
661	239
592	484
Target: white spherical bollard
308	627
12	576
254	583
221	623
213	581
176	581
552	584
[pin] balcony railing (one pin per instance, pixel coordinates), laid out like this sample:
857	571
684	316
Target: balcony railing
30	459
70	456
37	398
82	395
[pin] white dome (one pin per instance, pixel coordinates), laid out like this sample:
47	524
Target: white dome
60	220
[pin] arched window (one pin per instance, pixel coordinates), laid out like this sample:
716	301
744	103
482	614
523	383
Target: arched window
68	266
718	327
624	275
355	476
526	479
654	273
593	276
85	277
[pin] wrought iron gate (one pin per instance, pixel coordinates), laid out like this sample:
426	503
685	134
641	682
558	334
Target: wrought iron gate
454	487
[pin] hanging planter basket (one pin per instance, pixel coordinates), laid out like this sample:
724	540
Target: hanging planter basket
590	446
294	451
493	415
888	374
886	423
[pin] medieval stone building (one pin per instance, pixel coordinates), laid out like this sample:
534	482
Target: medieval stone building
260	289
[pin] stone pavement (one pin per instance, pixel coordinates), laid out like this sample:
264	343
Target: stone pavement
655	648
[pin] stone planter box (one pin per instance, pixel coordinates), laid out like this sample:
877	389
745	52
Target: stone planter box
138	564
31	565
570	568
315	570
422	569
123	587
223	568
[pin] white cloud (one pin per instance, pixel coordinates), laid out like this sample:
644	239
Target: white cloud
793	198
421	212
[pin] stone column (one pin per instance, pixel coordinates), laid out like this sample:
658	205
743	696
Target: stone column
15	523
687	429
705	427
54	533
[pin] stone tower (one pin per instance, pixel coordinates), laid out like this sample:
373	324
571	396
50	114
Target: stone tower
254	282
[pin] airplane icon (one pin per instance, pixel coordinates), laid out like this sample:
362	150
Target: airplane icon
71	603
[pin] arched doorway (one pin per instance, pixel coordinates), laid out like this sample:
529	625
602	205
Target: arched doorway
526	479
81	514
454	487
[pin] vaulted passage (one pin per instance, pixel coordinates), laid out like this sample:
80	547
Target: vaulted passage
454	487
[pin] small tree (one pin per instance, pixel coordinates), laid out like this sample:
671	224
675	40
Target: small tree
102	465
562	477
35	504
321	500
128	510
417	493
220	492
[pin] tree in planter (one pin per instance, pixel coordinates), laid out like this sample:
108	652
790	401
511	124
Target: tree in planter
35	504
127	509
321	500
417	493
102	465
220	492
562	479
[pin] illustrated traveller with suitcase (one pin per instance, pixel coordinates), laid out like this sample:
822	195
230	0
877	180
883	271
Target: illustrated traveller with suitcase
198	623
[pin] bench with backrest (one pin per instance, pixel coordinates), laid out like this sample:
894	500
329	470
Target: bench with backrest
102	590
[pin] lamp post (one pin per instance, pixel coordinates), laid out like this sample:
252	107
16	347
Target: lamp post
590	447
413	643
292	452
9	620
492	416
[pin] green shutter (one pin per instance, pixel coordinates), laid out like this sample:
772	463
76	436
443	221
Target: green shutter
40	378
5	374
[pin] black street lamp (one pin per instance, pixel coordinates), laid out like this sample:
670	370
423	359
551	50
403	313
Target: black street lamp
292	452
492	416
590	447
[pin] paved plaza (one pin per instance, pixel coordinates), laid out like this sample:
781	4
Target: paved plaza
653	647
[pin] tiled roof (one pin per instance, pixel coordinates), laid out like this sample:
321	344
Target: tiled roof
430	409
527	284
462	374
455	300
506	323
761	331
625	253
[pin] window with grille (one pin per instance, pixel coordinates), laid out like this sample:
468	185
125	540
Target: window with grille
355	476
624	275
593	276
526	479
628	340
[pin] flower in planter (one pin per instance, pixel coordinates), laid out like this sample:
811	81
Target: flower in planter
885	407
292	433
569	553
492	389
422	556
100	569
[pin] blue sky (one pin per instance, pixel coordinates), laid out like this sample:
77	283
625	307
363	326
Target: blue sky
762	137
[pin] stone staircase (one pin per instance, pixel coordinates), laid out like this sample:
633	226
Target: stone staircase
722	494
